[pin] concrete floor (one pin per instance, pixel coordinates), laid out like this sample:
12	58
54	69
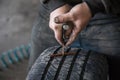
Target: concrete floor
15	72
16	20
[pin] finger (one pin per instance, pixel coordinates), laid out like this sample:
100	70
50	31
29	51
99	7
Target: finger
63	18
73	36
58	36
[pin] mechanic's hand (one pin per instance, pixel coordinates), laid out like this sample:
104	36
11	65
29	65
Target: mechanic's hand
79	15
57	28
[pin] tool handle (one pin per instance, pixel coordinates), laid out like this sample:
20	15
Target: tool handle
65	38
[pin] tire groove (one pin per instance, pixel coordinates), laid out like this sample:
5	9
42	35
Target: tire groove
48	65
53	66
84	65
60	65
72	64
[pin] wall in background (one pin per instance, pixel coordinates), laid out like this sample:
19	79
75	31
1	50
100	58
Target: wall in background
16	20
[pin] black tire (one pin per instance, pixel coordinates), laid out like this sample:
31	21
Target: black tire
84	65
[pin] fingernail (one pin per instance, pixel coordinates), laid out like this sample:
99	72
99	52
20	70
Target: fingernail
56	20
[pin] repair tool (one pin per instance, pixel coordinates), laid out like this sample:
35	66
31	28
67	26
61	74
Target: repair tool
65	38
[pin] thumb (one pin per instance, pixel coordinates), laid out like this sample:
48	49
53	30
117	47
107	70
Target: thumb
63	18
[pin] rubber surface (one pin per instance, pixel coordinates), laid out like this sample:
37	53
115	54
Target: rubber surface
84	65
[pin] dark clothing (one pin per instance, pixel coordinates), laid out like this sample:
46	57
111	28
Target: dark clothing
108	6
101	35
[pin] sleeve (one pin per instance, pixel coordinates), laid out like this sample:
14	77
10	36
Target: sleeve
95	6
54	4
105	6
112	6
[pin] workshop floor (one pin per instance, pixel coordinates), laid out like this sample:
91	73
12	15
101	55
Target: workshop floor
15	72
16	19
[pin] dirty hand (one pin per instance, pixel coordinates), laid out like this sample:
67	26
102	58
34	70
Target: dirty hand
57	27
79	15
